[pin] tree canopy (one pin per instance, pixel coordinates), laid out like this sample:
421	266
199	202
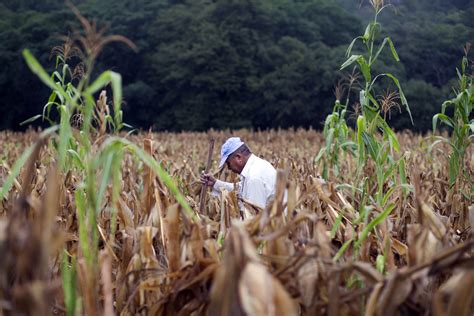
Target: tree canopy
235	63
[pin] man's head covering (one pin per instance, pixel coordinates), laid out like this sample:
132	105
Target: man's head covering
230	145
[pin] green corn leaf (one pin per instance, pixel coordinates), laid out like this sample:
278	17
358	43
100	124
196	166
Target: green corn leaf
453	168
81	209
352	146
461	97
342	250
325	172
402	170
59	59
52	97
380	49
365	68
343	133
329	140
88	111
392	137
371	144
162	174
68	276
364	210
362	99
107	167
374	108
129	126
343	113
374	223
349	187
459	74
408	188
349	49
443	118
446	104
392	48
57	76
38	70
367	32
31	119
350	61
435	122
65	134
336	225
327	125
66	71
116	80
322	151
390	171
116	186
438	140
76	158
93	210
360	140
387	195
401	94
102	81
383	158
380	263
47	107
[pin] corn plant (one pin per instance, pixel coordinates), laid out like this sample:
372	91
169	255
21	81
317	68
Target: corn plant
97	169
295	251
337	134
376	143
371	123
63	75
165	262
461	125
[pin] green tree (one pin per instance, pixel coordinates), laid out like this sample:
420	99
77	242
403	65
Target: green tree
245	63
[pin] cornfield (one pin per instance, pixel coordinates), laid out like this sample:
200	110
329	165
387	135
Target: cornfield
328	249
364	220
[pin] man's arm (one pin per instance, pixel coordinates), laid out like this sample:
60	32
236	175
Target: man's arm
221	185
216	185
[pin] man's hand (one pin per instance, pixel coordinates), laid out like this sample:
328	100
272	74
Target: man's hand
207	179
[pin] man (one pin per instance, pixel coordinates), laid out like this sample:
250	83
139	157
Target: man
258	176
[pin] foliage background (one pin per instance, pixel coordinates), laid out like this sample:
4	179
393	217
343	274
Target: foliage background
236	63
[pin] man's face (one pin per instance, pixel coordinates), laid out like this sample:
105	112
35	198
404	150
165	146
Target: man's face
235	163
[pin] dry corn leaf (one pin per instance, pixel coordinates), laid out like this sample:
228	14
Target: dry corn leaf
256	290
458	292
207	272
261	294
307	278
395	291
172	240
435	224
107	285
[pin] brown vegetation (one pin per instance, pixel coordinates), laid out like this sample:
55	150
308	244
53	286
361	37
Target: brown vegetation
314	259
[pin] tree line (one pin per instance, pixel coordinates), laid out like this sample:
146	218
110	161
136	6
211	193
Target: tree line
236	63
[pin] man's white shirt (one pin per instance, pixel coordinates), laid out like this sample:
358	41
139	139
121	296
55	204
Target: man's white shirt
257	182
